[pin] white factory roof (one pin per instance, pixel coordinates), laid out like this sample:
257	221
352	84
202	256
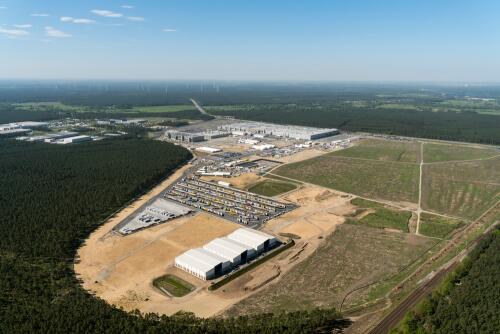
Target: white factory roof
200	259
208	149
250	237
227	248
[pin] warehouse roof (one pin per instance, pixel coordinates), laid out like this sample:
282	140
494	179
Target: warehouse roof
249	237
226	248
200	259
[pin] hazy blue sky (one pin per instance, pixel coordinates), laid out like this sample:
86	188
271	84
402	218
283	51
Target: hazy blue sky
407	40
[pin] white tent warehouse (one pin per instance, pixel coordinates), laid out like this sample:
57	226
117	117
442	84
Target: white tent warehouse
221	254
259	241
202	263
231	250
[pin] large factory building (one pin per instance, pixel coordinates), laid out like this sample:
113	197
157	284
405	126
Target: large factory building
202	263
222	254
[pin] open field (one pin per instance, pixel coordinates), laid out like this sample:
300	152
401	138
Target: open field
173	285
384	150
461	189
437	226
376	215
271	188
443	152
368	178
162	109
349	258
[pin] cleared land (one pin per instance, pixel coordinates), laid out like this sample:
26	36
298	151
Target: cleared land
437	226
173	285
349	258
162	109
271	188
461	189
368	178
373	149
442	152
376	215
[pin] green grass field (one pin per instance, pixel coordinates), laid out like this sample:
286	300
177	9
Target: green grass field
461	189
372	179
382	217
384	150
442	152
437	226
173	285
162	109
351	257
271	188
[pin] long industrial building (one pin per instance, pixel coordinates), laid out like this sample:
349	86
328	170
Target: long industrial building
260	129
222	254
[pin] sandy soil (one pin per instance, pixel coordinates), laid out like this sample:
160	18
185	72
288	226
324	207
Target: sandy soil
302	155
120	269
242	181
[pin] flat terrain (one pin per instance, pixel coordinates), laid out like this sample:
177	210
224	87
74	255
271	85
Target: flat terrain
349	258
373	149
444	152
373	178
173	285
461	189
271	188
438	226
162	109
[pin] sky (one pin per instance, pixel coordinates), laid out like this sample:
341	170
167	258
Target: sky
325	40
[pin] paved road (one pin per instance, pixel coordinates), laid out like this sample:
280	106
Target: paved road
200	109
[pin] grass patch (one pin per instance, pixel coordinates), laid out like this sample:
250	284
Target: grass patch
384	150
173	285
363	203
373	179
162	109
437	226
439	152
351	257
271	188
461	189
385	218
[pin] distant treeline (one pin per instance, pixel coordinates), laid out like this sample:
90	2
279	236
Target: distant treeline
52	197
9	113
469	299
456	126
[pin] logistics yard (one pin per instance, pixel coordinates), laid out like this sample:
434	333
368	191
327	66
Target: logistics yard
364	214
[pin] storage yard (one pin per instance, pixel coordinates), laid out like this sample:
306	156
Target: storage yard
158	212
235	205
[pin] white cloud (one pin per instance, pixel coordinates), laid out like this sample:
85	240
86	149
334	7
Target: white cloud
169	30
127	6
14	32
23	26
76	21
52	32
106	13
40	15
135	18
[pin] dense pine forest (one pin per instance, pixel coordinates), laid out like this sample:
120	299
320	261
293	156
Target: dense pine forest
51	198
469	299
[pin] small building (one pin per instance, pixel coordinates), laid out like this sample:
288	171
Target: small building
224	184
202	263
76	139
209	150
263	147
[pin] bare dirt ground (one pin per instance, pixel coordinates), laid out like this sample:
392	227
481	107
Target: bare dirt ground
302	155
120	269
242	181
